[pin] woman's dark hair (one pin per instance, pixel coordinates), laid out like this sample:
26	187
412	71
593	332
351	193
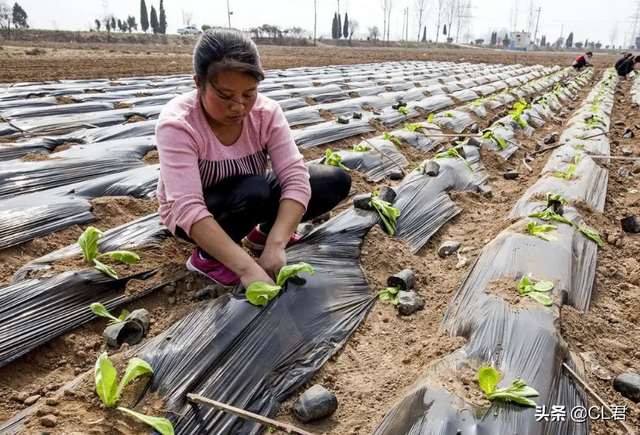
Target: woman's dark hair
637	60
223	50
589	53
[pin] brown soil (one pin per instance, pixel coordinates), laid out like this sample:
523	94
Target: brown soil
65	146
65	100
33	157
389	352
610	329
135	118
110	213
151	158
507	289
122	106
95	60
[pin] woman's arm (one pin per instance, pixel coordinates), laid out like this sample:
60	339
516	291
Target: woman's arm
209	236
273	257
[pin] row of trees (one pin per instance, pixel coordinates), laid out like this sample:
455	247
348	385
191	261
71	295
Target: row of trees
348	29
15	15
269	31
157	22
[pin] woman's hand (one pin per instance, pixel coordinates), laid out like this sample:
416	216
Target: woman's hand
273	259
255	274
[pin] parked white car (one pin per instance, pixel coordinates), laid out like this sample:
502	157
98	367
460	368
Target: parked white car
189	30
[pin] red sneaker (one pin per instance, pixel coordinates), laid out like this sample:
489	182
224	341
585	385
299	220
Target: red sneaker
256	240
212	269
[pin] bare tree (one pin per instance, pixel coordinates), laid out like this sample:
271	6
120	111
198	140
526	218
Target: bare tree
463	17
420	10
187	18
353	28
387	5
450	14
439	15
374	32
6	14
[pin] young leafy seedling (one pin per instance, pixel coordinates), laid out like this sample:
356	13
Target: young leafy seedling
390	294
591	234
549	214
99	310
519	392
527	287
260	293
568	174
333	159
551	197
110	391
88	242
403	110
387	212
361	148
577	158
540	230
454	154
395	141
430	119
500	142
449	115
412	127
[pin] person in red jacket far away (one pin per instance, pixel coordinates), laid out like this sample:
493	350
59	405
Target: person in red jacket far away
583	61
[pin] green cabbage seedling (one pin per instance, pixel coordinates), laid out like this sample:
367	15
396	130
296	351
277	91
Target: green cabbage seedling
260	293
412	127
549	214
110	392
395	141
591	234
453	153
361	148
528	288
551	196
387	212
488	379
577	158
88	242
403	110
334	159
540	230
430	119
500	142
390	294
568	174
161	424
99	310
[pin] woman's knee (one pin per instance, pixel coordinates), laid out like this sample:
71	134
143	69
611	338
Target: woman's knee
330	180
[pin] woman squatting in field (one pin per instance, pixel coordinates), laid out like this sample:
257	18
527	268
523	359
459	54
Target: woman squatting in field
214	188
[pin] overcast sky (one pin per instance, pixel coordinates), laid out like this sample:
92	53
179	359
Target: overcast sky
588	19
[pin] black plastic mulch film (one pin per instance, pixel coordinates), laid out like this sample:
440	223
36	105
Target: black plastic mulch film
338	301
524	342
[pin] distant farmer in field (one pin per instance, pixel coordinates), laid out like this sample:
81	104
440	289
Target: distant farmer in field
582	61
214	189
627	66
624	57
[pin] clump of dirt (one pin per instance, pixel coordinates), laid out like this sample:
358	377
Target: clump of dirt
327	116
65	100
65	146
135	118
310	101
142	94
151	158
507	289
36	157
461	383
121	105
35	52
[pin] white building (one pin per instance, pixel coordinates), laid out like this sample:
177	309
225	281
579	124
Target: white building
520	41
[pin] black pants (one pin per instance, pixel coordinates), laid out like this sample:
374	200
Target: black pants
241	202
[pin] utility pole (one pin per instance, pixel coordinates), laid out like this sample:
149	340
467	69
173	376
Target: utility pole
634	32
404	20
407	26
315	20
561	31
229	13
535	35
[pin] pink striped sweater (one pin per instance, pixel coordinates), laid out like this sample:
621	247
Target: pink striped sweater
192	158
